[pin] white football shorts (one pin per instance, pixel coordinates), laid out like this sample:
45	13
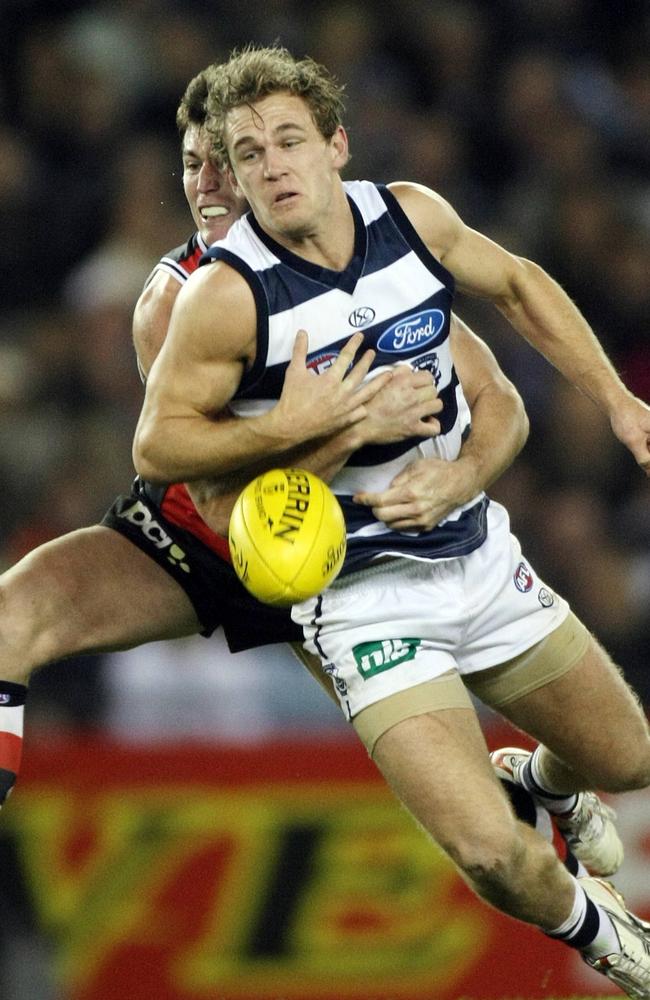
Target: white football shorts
403	621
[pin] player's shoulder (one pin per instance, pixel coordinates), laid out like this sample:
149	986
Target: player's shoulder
216	291
431	215
417	197
157	295
151	317
182	261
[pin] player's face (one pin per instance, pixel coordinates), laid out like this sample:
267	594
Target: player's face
282	164
213	203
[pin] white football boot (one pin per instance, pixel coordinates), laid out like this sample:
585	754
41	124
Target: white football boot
589	828
629	968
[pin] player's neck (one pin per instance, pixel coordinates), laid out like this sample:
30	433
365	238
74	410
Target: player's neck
330	243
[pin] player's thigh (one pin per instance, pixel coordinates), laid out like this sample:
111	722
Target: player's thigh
438	766
590	718
89	590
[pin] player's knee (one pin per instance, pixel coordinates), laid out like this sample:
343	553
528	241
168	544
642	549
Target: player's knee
14	640
498	875
629	771
491	863
33	631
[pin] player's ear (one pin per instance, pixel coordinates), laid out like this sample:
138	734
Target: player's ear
340	148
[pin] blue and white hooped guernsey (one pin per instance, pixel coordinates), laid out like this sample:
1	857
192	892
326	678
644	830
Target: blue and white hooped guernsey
400	296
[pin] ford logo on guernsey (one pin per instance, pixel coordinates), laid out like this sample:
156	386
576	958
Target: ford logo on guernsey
416	330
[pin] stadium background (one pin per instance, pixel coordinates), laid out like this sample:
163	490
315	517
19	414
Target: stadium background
533	118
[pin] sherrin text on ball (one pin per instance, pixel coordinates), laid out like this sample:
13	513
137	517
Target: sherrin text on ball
287	536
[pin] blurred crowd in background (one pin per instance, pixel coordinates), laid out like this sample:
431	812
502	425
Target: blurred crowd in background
531	116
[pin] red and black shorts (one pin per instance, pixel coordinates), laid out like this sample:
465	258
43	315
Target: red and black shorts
163	523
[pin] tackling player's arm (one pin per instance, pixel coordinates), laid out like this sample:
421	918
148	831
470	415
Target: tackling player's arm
151	318
428	490
405	407
211	341
535	305
499	421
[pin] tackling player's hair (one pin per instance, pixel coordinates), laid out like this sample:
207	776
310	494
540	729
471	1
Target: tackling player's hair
255	72
192	108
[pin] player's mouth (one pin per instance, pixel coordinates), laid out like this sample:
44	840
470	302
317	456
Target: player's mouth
209	212
284	197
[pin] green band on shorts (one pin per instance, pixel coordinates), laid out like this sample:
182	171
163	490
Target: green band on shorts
443	692
544	662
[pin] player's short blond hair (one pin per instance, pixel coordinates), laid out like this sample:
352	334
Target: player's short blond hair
255	72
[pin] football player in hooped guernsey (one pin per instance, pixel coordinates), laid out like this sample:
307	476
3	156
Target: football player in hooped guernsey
153	569
419	607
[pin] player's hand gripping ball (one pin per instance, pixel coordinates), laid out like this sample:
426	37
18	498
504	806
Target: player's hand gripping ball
287	536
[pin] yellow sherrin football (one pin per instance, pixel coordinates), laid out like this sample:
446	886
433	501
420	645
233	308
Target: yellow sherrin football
287	536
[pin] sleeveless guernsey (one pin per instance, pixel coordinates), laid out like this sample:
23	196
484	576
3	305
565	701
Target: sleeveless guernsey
400	296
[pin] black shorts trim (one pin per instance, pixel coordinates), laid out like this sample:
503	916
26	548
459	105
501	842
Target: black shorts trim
211	584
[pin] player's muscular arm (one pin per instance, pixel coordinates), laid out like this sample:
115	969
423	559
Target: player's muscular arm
210	342
151	318
535	305
499	420
428	490
405	407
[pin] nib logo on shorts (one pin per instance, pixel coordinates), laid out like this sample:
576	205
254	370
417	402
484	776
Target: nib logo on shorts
374	657
523	578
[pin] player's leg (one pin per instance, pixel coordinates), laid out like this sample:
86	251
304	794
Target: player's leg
569	676
410	708
592	723
90	590
557	684
436	764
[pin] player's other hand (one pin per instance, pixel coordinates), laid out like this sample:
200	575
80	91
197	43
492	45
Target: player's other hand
422	494
631	425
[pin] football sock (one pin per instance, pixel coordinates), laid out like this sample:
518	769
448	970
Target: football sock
588	928
531	778
12	707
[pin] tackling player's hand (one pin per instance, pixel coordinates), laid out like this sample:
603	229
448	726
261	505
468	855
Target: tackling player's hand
403	408
423	494
314	405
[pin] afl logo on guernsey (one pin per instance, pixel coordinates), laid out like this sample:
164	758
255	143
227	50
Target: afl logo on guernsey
321	362
412	332
523	578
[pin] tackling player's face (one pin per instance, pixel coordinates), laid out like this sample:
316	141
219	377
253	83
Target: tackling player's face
283	165
213	203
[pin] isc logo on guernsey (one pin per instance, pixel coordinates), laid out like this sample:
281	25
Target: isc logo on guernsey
416	330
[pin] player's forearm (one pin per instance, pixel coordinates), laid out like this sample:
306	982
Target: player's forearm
547	318
499	431
215	498
186	449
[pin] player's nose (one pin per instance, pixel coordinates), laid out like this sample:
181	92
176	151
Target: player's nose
273	163
210	177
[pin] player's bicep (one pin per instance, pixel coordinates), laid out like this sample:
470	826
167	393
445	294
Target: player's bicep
479	265
483	268
210	340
